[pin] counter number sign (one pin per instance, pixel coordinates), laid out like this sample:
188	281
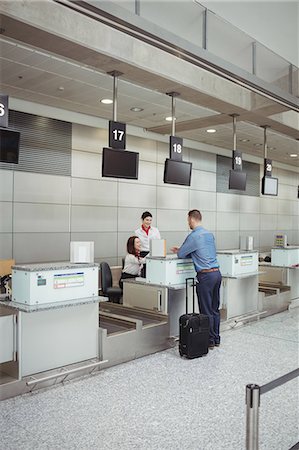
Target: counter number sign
237	160
4	111
117	135
268	167
176	148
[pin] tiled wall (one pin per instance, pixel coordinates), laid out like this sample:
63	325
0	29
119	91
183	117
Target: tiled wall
40	214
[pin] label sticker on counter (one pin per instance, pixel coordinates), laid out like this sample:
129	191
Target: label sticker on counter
246	260
184	267
68	280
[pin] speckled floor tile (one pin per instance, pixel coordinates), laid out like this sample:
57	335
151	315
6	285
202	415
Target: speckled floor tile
165	402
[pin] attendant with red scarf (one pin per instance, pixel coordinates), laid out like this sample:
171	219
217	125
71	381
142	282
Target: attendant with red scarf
146	233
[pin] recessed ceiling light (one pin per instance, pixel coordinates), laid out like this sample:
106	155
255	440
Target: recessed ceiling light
293	155
272	148
169	119
257	145
106	101
136	109
211	130
244	140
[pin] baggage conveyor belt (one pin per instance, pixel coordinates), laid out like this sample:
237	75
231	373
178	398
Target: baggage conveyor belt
127	333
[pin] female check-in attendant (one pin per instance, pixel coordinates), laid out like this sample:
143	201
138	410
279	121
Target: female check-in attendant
133	260
146	233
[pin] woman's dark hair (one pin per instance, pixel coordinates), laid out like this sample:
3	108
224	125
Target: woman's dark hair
146	214
130	244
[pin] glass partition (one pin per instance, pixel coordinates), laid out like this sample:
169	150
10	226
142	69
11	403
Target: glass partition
182	18
228	42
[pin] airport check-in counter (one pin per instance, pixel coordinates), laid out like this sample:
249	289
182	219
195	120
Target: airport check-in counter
239	289
52	319
285	265
163	290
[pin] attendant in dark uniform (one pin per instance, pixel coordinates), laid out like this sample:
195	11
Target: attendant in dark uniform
200	246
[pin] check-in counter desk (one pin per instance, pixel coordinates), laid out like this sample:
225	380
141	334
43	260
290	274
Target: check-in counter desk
239	289
163	290
284	268
44	327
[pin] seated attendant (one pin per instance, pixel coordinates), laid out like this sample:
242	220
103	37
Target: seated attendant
133	261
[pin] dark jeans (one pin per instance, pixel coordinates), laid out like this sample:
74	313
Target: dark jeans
208	294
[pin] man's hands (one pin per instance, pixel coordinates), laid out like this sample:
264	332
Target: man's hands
174	249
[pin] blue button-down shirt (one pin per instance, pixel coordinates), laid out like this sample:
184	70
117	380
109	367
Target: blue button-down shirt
200	246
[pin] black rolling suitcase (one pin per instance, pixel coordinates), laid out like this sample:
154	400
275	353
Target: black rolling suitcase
194	331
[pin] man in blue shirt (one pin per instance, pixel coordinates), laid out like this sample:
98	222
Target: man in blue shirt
200	246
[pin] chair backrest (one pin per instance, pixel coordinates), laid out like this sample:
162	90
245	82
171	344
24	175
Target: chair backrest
106	277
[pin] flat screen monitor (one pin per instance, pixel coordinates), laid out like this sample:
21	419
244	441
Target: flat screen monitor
237	180
120	164
270	186
177	172
9	146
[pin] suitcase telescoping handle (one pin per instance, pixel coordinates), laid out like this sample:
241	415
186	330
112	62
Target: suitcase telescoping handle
193	301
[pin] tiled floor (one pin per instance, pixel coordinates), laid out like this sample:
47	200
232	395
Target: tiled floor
165	402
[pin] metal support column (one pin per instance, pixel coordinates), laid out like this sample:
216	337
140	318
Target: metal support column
252	416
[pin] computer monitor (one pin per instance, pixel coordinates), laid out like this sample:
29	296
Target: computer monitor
270	186
237	180
177	172
9	146
120	163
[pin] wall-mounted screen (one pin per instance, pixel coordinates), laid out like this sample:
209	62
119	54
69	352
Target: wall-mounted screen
177	172
237	180
269	186
9	146
120	163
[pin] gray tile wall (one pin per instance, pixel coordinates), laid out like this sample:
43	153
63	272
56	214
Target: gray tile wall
40	213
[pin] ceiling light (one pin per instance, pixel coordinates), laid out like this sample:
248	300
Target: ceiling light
293	155
257	145
106	101
244	140
211	130
272	148
136	109
169	119
61	88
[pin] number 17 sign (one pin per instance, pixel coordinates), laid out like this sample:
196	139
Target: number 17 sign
117	135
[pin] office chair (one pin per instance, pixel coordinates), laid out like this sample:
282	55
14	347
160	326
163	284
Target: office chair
113	293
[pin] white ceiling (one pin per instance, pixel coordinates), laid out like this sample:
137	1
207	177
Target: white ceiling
33	74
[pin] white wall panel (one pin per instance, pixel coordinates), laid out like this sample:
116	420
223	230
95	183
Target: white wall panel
268	222
285	207
203	161
6	185
287	192
172	197
295	220
39	188
174	238
5	245
268	205
254	234
227	240
129	219
209	220
172	220
267	239
86	165
93	219
284	222
203	181
249	204
94	192
286	177
89	139
202	200
41	247
5	217
249	221
227	221
163	152
228	202
122	239
47	218
146	148
105	244
137	195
